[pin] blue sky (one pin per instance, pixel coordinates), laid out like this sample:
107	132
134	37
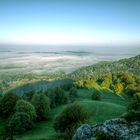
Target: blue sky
91	22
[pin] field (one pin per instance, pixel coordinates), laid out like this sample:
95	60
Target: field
110	106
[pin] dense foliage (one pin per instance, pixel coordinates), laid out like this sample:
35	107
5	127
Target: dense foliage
131	65
19	123
133	113
57	96
7	104
70	117
42	106
96	95
73	94
26	107
119	83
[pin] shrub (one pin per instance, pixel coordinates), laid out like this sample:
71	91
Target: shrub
57	96
42	106
70	132
20	122
51	94
26	107
133	113
96	95
119	88
70	117
7	104
28	96
67	86
73	94
134	106
132	116
60	96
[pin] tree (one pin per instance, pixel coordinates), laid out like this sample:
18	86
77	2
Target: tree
19	123
96	95
0	99
57	96
42	106
8	103
51	94
126	77
131	89
26	107
137	97
28	96
60	96
73	92
134	105
133	113
70	117
106	81
67	86
119	88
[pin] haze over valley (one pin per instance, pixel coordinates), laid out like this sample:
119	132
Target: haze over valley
41	60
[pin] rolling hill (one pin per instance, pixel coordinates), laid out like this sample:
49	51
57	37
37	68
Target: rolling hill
130	64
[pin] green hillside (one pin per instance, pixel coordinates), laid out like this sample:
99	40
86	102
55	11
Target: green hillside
99	111
131	65
103	90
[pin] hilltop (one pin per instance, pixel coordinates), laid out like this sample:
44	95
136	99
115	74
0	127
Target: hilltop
130	65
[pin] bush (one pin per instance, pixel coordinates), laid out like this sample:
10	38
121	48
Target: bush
51	94
19	123
132	116
67	86
96	95
119	88
57	96
28	96
134	106
7	104
26	107
73	94
133	113
42	106
70	118
60	96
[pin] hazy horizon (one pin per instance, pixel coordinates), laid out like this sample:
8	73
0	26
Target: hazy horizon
64	35
50	60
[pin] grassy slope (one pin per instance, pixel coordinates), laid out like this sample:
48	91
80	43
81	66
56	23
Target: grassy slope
102	110
109	107
103	68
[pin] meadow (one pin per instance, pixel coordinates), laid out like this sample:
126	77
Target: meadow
110	106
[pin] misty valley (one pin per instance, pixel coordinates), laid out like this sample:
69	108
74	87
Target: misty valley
52	95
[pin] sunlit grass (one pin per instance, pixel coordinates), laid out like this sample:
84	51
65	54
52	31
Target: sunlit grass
109	107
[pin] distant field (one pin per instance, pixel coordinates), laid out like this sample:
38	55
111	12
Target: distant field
111	106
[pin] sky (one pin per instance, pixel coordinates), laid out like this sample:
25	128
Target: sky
71	22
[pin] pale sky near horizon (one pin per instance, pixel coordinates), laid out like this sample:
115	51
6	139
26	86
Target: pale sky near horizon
72	22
